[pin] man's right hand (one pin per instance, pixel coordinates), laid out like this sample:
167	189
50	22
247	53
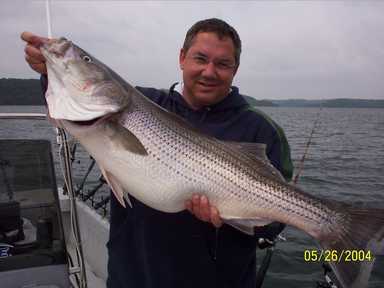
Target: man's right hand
33	55
199	206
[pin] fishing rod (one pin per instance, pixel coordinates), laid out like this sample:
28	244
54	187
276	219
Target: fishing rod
307	145
8	186
65	162
81	186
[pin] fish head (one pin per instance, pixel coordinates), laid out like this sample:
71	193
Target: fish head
80	87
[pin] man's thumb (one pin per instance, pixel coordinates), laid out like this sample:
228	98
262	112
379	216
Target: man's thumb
33	39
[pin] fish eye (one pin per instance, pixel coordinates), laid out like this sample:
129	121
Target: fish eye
86	58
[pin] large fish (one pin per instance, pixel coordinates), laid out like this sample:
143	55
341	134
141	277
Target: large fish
159	159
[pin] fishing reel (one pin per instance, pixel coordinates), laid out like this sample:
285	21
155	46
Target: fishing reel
269	234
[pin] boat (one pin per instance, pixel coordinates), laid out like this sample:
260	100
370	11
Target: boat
49	237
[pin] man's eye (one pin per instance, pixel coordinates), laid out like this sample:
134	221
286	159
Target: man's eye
86	58
200	60
224	65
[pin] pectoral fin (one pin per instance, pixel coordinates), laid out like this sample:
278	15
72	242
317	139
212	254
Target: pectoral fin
247	225
256	152
122	138
116	188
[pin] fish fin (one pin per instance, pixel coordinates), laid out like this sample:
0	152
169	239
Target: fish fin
256	152
355	230
247	225
123	138
116	188
55	122
252	149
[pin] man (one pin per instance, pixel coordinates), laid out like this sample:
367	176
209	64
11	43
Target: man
148	248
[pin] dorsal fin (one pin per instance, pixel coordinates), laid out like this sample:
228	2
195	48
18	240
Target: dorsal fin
256	152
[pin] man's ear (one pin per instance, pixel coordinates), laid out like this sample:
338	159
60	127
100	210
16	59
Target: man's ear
181	58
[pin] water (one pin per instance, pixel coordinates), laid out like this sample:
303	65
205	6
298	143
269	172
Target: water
345	163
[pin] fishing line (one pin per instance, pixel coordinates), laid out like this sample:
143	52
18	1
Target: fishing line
74	222
48	13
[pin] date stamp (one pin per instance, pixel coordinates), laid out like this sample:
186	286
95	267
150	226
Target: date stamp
313	255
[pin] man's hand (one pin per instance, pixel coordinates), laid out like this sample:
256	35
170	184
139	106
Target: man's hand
33	55
199	206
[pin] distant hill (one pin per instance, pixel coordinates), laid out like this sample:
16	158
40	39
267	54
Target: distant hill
332	103
252	101
28	92
20	92
297	103
354	103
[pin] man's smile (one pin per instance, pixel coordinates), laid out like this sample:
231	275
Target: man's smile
207	84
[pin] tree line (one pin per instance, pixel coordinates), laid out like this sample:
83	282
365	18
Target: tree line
28	92
21	92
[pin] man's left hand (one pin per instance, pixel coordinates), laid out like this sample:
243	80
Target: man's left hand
199	206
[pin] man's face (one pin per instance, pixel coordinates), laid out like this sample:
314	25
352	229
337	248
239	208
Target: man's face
208	69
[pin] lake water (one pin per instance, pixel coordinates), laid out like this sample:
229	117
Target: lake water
345	163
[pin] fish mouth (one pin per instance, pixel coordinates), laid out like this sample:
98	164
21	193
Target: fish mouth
93	122
55	49
88	123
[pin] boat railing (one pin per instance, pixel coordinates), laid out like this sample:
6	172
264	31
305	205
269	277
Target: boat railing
79	270
25	116
82	191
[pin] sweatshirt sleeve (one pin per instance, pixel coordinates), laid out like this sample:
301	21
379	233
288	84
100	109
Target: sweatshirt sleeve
44	83
278	151
280	154
44	86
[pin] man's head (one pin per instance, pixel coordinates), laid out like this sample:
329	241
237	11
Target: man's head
209	60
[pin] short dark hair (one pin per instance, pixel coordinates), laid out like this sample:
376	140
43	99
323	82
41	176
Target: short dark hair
217	26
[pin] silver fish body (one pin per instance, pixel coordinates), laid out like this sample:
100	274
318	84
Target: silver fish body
180	161
155	156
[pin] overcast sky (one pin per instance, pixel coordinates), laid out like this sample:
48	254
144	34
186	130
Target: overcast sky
305	49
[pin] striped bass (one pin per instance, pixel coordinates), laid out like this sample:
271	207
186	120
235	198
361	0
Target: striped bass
161	160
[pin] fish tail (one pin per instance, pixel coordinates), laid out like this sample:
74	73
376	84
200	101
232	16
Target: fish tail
352	243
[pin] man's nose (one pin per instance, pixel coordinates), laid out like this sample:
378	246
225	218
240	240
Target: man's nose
209	69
